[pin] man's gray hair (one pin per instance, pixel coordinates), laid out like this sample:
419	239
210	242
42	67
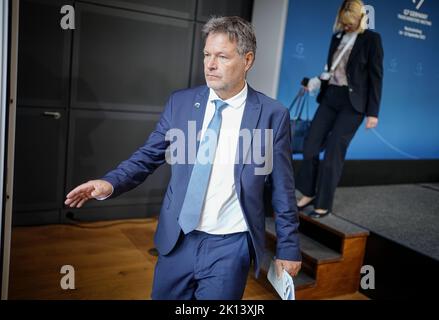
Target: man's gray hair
236	28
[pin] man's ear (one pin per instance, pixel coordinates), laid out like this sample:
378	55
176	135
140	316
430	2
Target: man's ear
249	59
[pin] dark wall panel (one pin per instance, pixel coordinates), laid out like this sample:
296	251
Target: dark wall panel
39	158
174	8
86	214
89	97
128	60
207	8
43	54
99	141
197	72
34	218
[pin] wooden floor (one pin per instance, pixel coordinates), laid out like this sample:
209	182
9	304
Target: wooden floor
111	261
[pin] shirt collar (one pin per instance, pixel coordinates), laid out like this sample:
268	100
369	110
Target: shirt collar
235	101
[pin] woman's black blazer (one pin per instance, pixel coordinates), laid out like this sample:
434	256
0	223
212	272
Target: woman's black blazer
364	71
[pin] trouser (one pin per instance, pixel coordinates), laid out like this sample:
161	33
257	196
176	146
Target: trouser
334	125
204	266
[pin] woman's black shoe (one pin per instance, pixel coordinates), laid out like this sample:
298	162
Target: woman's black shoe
300	208
316	215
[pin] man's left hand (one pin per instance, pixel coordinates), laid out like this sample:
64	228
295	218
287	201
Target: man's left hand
371	122
292	267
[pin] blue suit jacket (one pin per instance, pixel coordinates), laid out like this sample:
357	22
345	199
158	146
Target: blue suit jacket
261	112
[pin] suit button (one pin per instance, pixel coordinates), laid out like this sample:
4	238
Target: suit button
351	90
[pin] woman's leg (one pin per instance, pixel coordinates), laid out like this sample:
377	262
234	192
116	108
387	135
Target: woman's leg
322	123
345	126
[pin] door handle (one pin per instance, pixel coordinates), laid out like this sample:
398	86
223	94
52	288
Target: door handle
55	115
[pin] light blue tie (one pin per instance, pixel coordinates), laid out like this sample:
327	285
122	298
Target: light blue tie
197	187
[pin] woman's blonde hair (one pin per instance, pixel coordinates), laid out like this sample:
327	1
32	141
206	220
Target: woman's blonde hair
351	11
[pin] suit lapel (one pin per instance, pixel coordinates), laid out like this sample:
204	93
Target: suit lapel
197	111
334	45
357	46
249	122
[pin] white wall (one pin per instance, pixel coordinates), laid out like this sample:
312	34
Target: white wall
269	20
7	102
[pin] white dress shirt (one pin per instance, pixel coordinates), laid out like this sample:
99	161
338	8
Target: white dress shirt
221	212
340	78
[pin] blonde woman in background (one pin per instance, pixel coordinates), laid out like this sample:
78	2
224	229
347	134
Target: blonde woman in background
352	94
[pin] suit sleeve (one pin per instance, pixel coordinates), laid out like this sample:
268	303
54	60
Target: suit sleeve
283	194
132	172
376	56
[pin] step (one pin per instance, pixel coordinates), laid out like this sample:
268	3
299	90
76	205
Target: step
335	224
302	281
311	249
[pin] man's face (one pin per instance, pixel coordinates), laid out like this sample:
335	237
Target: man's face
224	68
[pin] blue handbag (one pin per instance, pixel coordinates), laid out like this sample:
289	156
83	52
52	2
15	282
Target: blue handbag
299	127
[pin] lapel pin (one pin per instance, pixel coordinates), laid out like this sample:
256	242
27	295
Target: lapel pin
197	105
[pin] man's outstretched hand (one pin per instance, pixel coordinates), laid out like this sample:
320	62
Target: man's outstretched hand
86	191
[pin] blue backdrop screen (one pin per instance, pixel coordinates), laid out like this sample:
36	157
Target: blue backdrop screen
409	115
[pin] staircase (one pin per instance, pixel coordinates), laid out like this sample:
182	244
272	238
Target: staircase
332	256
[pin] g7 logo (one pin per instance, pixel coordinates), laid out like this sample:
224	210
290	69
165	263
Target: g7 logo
419	5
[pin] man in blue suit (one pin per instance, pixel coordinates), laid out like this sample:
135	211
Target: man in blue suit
212	221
